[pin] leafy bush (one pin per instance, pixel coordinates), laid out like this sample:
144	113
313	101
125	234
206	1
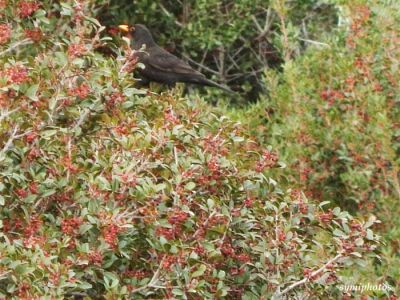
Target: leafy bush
108	191
333	115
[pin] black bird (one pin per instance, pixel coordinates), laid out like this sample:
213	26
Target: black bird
160	65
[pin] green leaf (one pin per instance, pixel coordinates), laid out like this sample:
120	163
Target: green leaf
174	249
160	187
190	186
200	271
48	193
221	274
48	133
323	203
31	92
356	254
163	240
61	58
177	292
370	235
103	183
95	22
336	211
85	286
237	139
23	269
84	228
111	279
210	203
338	232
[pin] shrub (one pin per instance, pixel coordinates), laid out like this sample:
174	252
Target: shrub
116	192
333	116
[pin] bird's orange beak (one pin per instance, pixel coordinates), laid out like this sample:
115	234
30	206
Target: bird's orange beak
125	28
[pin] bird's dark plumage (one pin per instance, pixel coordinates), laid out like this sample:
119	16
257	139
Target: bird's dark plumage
160	65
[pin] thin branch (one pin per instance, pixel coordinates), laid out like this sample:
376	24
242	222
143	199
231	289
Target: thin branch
204	57
267	24
304	28
315	42
82	118
201	65
396	183
313	274
262	61
169	14
216	61
176	157
222	63
16	45
2	275
204	224
234	64
153	281
9	142
256	23
238	51
5	114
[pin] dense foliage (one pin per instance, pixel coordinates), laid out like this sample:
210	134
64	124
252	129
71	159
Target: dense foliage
108	191
333	115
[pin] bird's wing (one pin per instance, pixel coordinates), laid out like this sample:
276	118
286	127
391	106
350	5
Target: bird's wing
167	62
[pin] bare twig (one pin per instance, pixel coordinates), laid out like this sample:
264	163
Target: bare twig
82	118
267	24
234	64
315	42
261	60
238	51
96	38
221	58
16	45
256	23
153	281
204	57
396	183
216	61
10	140
5	114
304	28
176	156
201	65
2	275
169	14
313	274
204	225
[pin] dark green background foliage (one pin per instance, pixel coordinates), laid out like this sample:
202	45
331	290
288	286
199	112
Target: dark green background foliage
233	41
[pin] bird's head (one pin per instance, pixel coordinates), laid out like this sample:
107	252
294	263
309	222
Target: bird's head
138	34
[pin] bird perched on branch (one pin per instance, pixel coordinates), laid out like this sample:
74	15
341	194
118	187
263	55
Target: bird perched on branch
160	65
